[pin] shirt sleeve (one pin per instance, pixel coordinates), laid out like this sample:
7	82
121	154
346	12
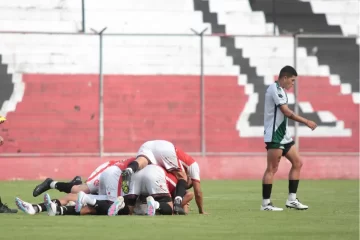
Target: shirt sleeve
278	95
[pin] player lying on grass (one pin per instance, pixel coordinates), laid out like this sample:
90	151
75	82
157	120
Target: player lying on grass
108	189
152	180
32	209
72	188
90	186
174	160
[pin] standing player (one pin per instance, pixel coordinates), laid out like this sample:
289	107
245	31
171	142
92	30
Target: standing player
278	140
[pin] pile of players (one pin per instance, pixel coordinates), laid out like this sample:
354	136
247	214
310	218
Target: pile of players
155	182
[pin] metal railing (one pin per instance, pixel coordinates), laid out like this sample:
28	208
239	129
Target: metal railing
203	36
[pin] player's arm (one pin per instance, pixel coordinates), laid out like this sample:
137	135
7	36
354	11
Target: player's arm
180	174
198	196
281	102
290	114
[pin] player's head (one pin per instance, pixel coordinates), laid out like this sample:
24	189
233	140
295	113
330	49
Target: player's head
287	77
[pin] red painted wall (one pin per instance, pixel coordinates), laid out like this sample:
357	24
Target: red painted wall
213	167
59	114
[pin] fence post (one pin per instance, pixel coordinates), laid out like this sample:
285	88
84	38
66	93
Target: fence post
296	90
83	15
202	92
274	16
101	93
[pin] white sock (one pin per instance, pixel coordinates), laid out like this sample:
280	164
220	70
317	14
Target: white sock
292	197
90	201
265	202
39	207
157	205
52	184
178	200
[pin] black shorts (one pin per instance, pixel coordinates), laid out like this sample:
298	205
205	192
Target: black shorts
285	147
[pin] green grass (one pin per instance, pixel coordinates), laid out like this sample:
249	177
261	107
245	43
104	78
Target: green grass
233	208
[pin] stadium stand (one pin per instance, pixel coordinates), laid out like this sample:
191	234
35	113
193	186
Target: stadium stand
152	87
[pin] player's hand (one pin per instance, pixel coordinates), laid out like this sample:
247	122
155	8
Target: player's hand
312	125
204	213
1	141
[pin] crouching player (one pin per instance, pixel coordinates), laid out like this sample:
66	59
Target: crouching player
153	181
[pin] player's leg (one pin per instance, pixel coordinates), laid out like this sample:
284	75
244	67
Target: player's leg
5	209
49	183
154	184
33	209
274	154
292	155
109	190
144	157
108	183
92	183
87	187
166	156
54	209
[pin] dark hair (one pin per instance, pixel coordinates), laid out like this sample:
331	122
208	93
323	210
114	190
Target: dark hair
287	71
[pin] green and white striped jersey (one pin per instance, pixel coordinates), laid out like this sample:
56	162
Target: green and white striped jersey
275	122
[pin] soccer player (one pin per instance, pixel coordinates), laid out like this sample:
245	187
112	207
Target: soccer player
90	186
193	171
152	182
278	140
33	209
162	153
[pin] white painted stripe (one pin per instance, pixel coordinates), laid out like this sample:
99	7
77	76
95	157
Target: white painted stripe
356	98
326	116
345	88
334	80
306	107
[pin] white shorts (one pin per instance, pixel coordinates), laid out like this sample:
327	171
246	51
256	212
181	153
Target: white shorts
110	183
162	153
149	181
94	179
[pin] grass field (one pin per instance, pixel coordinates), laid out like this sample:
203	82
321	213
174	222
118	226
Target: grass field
233	208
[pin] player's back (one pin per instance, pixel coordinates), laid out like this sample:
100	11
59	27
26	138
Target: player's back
185	159
122	164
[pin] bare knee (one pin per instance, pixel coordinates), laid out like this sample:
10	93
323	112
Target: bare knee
142	161
297	164
272	169
83	187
